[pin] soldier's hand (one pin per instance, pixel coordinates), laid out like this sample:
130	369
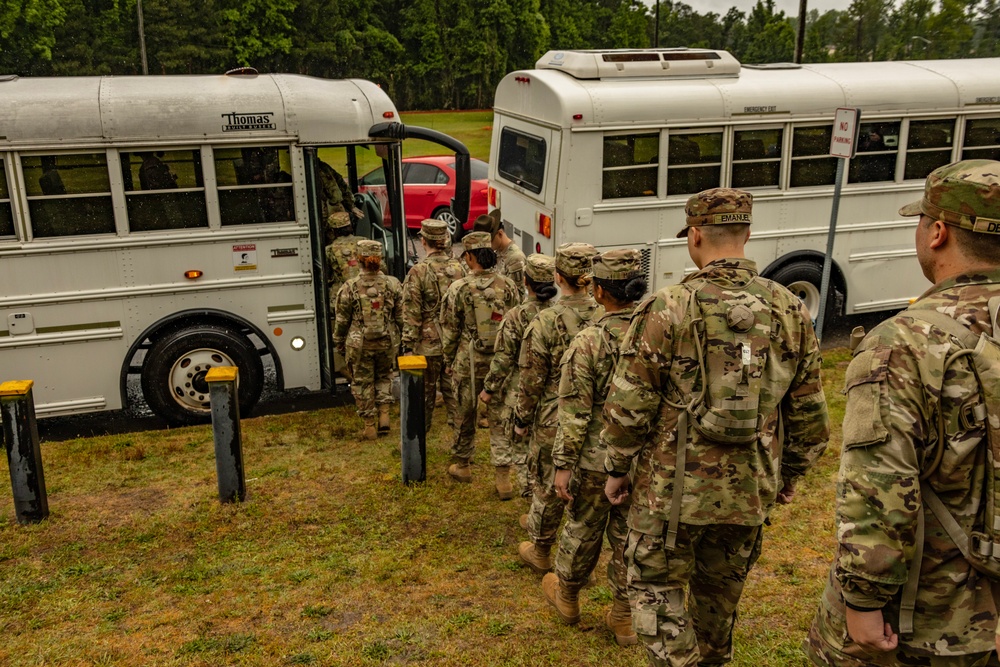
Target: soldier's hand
616	489
448	371
787	493
484	397
562	484
358	213
520	431
869	630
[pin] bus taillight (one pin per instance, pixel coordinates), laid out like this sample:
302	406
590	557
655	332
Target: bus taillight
545	225
493	196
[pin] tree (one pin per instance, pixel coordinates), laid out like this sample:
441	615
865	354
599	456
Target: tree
27	34
771	35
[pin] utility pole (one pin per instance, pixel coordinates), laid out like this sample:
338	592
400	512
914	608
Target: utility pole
142	36
656	35
800	39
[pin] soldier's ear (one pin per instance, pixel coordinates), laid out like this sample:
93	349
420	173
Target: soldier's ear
938	234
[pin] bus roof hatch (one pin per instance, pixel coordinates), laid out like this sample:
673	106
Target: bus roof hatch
642	63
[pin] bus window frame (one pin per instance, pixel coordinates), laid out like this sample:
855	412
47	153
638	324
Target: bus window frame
292	149
505	176
111	164
782	129
6	173
725	156
136	150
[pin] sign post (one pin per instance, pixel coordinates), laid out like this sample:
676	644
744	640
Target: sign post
843	143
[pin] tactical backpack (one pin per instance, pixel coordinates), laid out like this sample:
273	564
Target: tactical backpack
731	328
374	309
980	547
444	275
488	305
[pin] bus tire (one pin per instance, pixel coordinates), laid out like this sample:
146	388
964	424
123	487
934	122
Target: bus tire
804	279
445	215
173	375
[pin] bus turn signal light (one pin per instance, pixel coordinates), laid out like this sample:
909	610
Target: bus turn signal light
545	225
493	196
193	275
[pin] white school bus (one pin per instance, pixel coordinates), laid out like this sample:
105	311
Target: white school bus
154	227
605	147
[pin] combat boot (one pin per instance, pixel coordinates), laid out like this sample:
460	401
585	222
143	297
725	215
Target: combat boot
504	489
566	602
619	621
461	471
369	432
484	422
536	556
383	419
522	521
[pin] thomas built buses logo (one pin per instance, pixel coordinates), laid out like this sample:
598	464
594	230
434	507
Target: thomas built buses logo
242	122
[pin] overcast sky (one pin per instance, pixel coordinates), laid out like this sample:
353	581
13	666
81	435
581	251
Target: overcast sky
790	7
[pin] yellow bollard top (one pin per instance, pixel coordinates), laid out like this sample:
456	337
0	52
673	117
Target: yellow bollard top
16	387
412	363
222	374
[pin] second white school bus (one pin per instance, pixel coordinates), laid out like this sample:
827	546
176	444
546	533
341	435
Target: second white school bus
605	147
154	227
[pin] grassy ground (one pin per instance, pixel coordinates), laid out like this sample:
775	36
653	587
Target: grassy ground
331	560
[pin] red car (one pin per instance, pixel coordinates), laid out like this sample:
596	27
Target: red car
428	187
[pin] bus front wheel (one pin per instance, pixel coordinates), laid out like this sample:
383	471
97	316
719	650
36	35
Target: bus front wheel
173	374
803	279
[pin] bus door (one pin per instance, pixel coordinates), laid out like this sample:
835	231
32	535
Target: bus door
523	179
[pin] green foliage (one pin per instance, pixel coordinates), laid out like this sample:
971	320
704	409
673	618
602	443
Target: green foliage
450	54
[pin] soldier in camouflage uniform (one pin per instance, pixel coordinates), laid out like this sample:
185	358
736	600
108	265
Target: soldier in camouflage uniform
366	332
502	380
578	454
423	294
510	258
470	318
341	254
894	460
707	370
335	195
545	340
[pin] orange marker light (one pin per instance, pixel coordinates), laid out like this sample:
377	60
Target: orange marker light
545	225
278	331
193	275
491	196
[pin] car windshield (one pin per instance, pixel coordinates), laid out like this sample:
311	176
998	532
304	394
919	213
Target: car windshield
375	177
479	170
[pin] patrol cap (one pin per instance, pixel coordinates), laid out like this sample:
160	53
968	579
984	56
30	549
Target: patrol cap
434	230
476	240
965	194
718	206
575	259
621	264
540	268
339	220
368	248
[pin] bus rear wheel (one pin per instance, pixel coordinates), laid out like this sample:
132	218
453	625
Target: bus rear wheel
173	375
804	279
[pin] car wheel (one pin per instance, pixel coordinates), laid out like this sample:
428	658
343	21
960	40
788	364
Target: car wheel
804	279
173	375
445	215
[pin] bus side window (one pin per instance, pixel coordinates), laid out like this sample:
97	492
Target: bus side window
164	190
757	158
875	159
982	139
68	194
694	162
811	163
255	185
630	165
928	147
521	159
6	217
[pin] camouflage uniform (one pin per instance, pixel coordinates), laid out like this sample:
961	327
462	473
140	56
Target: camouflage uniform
585	373
510	260
423	294
896	394
468	340
335	193
366	332
502	380
728	489
545	340
341	256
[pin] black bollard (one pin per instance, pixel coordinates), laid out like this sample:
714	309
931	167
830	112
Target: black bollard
412	425
223	393
24	455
